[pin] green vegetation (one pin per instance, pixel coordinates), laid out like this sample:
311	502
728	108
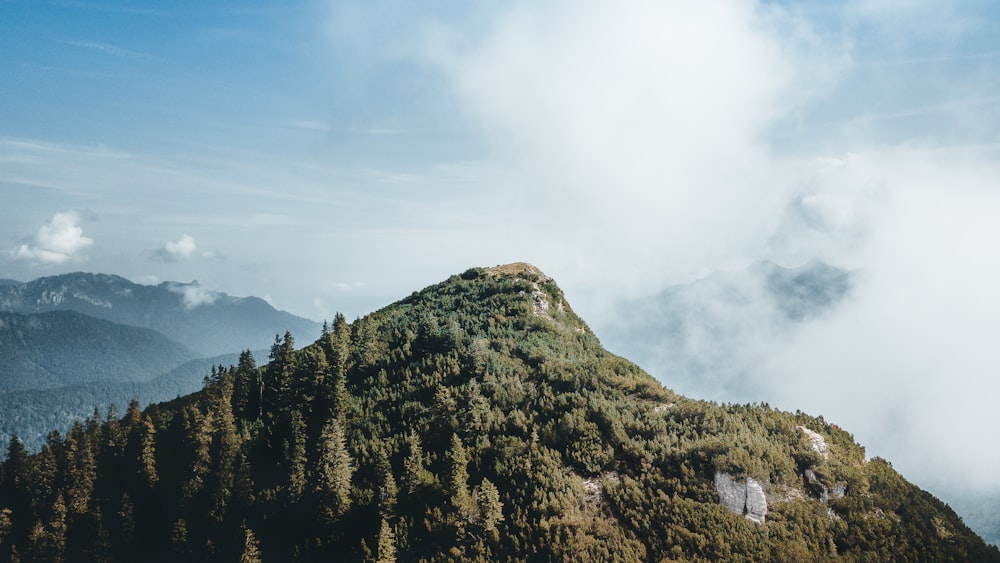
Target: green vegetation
62	348
478	419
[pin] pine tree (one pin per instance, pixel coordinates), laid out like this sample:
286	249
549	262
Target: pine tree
386	543
338	353
278	377
126	521
6	529
458	480
251	546
133	415
44	470
247	388
387	490
15	491
81	473
47	540
295	455
414	472
490	507
198	435
223	448
333	472
145	452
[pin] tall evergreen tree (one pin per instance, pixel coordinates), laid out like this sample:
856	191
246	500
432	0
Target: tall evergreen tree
387	490
386	547
414	471
458	481
247	388
295	456
250	552
490	507
333	472
16	495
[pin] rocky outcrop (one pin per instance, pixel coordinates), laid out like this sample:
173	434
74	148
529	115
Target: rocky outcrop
741	498
732	494
756	502
824	493
817	442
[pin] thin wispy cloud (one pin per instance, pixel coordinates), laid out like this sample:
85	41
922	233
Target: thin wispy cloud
108	49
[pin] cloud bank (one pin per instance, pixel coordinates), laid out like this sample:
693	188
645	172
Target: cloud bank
640	132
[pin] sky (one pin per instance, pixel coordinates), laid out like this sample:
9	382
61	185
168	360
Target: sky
335	156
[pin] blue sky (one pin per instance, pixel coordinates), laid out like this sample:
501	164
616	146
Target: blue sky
338	155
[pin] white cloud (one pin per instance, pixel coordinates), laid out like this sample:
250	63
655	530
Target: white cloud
181	249
57	241
638	132
193	295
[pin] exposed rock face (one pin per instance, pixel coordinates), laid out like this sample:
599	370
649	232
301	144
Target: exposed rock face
817	441
756	503
732	495
741	498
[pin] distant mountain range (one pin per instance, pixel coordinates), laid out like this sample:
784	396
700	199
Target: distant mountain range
207	322
75	342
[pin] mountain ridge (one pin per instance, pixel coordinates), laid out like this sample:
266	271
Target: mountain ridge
207	322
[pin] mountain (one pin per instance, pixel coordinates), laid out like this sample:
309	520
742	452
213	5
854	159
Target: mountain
479	419
207	322
60	348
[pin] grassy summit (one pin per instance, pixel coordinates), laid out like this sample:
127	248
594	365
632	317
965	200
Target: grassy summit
478	419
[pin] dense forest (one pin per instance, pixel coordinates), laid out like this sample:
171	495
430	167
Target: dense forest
480	420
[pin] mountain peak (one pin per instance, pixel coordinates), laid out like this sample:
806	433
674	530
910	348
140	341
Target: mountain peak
518	268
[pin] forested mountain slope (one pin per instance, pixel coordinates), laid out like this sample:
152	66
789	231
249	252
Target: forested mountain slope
478	419
61	348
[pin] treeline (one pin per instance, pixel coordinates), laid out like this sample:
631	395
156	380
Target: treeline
476	420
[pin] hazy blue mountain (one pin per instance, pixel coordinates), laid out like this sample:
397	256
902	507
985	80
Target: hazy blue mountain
805	291
209	323
33	414
60	348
